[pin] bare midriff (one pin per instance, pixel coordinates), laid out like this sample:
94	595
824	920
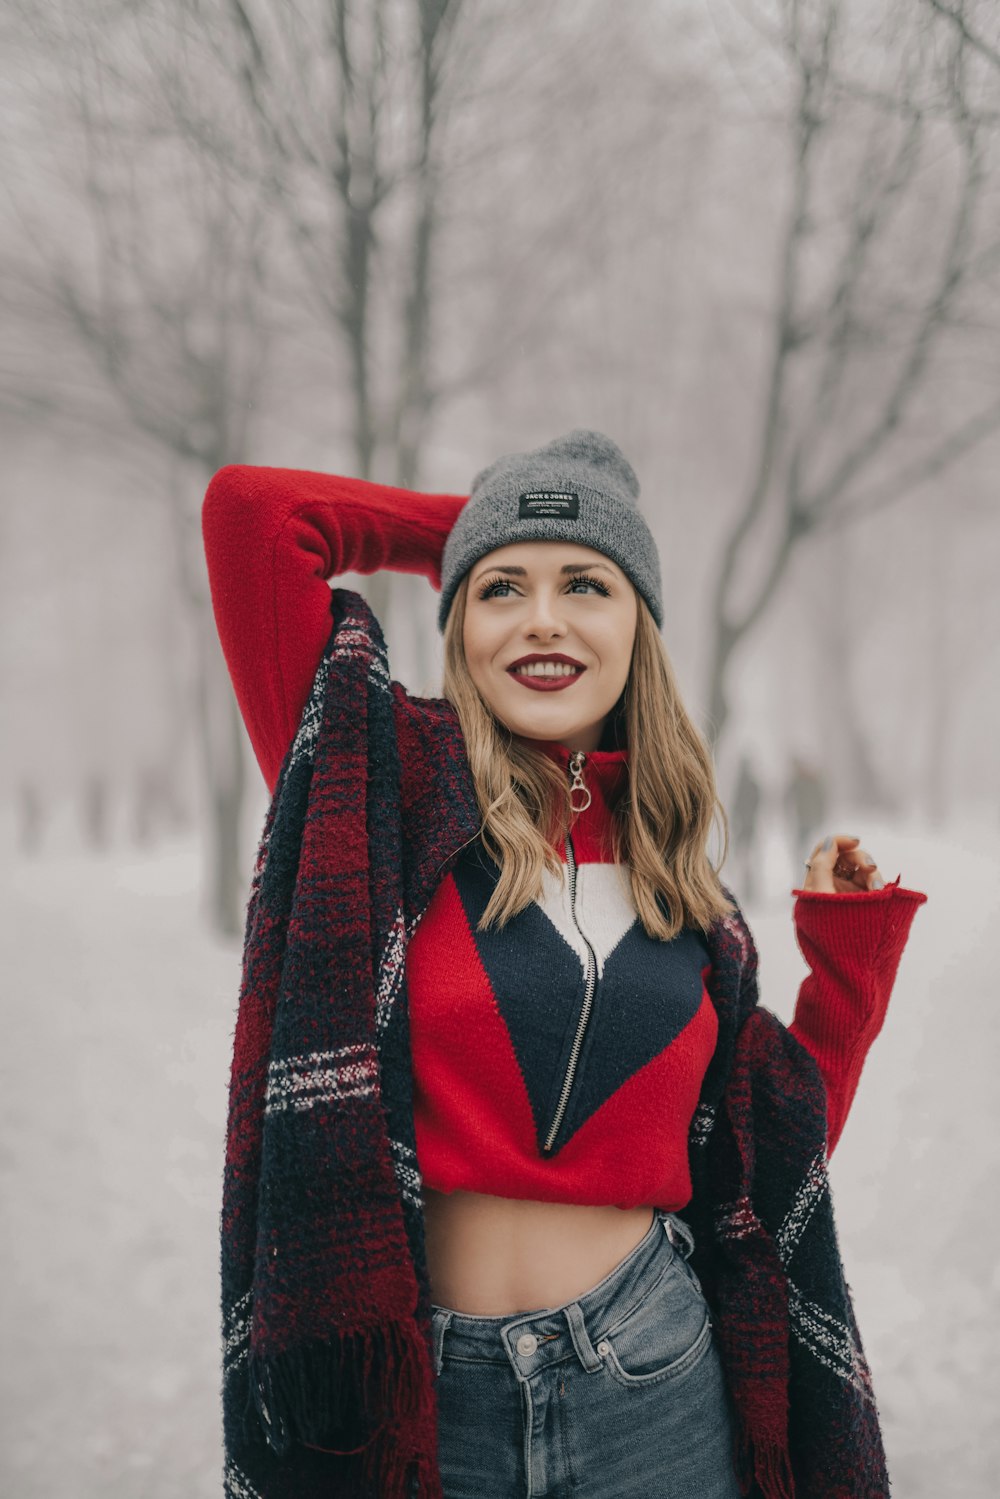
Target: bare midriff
493	1256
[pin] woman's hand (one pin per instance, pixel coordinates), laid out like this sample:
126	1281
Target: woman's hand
839	865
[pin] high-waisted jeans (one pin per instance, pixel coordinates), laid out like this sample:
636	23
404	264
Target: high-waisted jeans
619	1394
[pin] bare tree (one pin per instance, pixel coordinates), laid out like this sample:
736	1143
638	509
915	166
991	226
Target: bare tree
148	264
854	417
199	143
337	114
969	28
370	131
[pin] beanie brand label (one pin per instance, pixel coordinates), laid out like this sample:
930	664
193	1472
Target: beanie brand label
563	502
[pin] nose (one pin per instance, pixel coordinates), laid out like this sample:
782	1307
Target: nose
544	618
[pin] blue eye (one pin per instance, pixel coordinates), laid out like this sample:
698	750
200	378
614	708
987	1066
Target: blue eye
486	590
593	582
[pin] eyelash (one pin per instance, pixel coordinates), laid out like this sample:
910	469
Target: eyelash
486	588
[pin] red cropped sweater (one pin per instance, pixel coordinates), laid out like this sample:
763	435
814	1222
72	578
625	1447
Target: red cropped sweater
561	1058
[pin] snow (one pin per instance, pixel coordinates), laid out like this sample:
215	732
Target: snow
119	1022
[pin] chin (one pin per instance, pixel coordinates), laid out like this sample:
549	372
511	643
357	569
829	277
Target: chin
551	729
543	718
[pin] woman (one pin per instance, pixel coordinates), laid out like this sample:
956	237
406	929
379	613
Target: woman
565	1021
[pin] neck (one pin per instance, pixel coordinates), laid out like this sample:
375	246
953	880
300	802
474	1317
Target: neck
612	738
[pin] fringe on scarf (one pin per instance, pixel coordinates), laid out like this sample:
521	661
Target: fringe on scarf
764	1465
374	1379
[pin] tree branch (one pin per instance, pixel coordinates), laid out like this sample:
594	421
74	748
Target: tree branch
957	443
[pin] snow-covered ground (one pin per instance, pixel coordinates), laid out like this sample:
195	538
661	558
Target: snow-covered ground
119	1014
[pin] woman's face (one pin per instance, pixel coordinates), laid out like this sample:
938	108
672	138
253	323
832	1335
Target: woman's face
536	599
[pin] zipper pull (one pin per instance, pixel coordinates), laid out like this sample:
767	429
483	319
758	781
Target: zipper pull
576	763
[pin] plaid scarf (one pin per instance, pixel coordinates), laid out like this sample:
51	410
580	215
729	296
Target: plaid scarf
328	1385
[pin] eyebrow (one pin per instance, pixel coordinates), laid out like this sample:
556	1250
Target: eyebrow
569	567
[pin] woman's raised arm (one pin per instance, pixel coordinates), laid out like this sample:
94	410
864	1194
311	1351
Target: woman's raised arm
853	945
272	538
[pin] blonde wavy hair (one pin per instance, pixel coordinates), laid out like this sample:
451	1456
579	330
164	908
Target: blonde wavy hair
659	829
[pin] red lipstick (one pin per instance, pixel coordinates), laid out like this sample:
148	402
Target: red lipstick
541	683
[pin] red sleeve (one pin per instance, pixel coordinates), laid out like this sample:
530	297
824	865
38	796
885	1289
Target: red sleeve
852	943
272	537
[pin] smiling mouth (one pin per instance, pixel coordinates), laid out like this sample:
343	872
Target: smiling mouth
548	678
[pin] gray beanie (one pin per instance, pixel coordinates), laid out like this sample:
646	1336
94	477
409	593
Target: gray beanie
580	487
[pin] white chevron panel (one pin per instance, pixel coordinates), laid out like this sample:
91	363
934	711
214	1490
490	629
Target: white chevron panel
604	909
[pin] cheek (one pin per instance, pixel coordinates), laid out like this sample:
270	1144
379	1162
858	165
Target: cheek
478	651
621	639
615	644
481	641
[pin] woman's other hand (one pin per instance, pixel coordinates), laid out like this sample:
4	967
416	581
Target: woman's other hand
838	865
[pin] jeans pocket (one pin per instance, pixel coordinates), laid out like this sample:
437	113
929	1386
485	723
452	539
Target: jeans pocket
665	1335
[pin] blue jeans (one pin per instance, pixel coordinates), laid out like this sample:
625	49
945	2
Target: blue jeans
619	1394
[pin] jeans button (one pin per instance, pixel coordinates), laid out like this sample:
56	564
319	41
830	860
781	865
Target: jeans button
527	1343
603	1347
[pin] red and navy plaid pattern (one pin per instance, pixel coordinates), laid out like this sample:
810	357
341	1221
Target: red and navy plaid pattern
327	1376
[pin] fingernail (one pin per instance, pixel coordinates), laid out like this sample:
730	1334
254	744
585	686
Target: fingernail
828	843
878	882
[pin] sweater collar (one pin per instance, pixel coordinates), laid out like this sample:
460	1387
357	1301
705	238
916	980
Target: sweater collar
605	774
598	758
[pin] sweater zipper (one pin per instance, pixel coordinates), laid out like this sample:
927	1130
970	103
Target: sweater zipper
576	763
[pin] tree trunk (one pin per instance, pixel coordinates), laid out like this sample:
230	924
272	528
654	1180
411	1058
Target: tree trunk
849	760
221	742
940	675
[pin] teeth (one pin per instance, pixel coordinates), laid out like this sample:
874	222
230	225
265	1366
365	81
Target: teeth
547	669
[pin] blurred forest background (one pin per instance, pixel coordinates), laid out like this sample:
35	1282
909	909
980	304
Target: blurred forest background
757	242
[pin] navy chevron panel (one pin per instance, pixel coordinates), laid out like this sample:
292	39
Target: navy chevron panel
645	992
